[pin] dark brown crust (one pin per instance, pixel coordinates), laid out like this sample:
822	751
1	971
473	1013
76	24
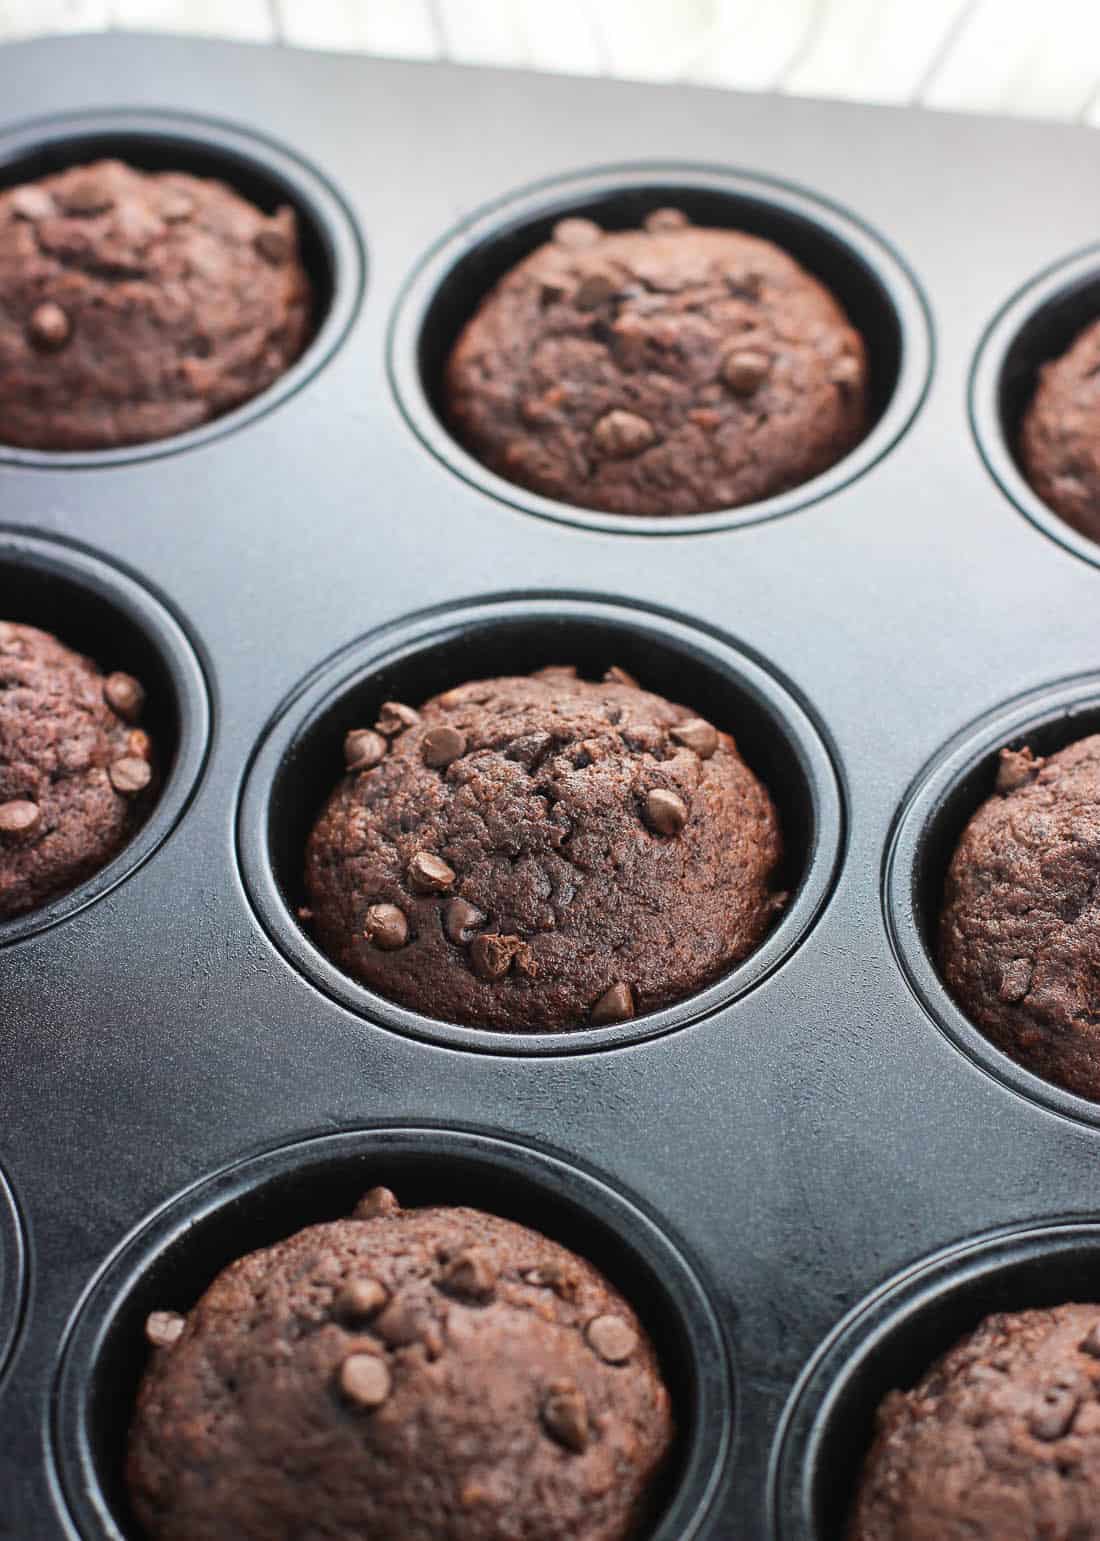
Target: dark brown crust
657	324
543	822
1020	929
243	1433
137	305
1000	1440
58	742
1060	434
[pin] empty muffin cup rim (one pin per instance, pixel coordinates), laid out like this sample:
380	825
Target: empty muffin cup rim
13	1273
326	686
684	1294
149	612
923	806
315	198
576	193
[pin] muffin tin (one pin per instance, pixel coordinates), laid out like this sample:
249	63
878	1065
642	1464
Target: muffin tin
819	1139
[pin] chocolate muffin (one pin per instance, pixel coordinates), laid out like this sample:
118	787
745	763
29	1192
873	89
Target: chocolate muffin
134	305
541	853
1000	1441
1020	928
76	772
436	1373
1060	434
669	370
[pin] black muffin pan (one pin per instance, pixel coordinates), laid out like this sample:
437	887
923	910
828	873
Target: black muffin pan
811	1177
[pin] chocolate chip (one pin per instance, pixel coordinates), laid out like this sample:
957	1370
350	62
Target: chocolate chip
846	372
441	746
87	195
175	207
666	219
665	813
363	749
428	874
460	920
163	1328
696	735
1015	981
619	434
1055	1417
375	1202
361	1298
49	326
564	1413
575	234
745	371
395	717
553	1276
492	955
595	289
273	244
399	1324
470	1276
614	1005
129	776
386	927
1091	1343
32	203
612	1338
124	695
617	676
1016	768
20	818
365	1380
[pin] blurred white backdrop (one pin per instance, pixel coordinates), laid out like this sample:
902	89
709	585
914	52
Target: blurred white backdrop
1013	56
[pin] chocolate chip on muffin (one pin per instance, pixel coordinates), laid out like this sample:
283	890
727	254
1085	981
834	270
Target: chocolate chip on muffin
669	370
543	853
1020	919
434	1372
139	304
1060	434
76	778
999	1441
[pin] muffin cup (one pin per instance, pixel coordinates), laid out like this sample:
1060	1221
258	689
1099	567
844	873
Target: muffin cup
301	759
1038	324
12	1273
890	1340
923	842
876	290
109	616
170	1260
260	171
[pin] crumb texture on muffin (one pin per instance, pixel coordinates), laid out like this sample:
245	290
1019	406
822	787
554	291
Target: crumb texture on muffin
434	1374
77	776
669	370
999	1441
135	305
542	852
1060	434
1020	927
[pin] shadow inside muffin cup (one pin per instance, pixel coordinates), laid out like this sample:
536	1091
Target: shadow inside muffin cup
100	612
888	1343
1037	326
302	760
260	172
926	835
171	1260
875	290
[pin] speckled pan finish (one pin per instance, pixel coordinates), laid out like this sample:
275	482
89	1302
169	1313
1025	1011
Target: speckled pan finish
762	1158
